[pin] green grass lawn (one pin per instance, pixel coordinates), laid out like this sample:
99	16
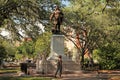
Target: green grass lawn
25	78
8	70
19	78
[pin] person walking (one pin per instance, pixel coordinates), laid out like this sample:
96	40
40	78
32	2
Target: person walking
59	66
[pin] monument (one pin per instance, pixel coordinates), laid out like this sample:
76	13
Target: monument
57	46
57	40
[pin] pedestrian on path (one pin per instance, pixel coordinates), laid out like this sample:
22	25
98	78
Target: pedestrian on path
59	66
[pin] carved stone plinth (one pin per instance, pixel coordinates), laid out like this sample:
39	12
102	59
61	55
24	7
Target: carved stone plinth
57	48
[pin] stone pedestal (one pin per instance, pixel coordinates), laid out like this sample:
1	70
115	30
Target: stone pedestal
57	48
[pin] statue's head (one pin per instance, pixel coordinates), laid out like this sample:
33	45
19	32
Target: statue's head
56	7
60	56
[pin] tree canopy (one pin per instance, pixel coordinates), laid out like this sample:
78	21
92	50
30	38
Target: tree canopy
24	16
99	20
96	21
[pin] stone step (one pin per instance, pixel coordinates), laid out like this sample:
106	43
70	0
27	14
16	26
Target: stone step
68	66
71	65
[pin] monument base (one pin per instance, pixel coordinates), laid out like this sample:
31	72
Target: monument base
57	48
68	67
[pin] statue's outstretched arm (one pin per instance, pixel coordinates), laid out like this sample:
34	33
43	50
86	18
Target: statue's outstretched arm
51	16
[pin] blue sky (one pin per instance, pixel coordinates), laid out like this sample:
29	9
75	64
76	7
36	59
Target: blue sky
65	2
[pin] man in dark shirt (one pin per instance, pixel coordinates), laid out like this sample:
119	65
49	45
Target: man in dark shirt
59	66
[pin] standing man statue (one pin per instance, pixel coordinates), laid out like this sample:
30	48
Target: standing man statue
57	17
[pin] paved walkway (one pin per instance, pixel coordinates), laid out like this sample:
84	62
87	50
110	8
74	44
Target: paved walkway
75	76
64	76
79	77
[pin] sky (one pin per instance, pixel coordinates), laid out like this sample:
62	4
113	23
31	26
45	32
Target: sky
4	33
65	2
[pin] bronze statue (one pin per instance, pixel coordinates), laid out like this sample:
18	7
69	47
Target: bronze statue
57	17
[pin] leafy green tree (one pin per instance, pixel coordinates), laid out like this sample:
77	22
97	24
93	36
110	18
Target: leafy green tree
26	49
43	44
79	14
98	22
7	50
3	53
108	56
10	49
32	49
